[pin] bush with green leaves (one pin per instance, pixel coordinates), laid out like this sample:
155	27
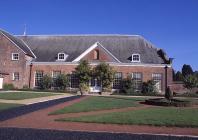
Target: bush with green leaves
46	82
190	82
83	72
105	74
168	94
128	86
62	81
8	86
25	87
149	87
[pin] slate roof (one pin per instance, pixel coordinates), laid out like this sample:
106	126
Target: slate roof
46	47
18	42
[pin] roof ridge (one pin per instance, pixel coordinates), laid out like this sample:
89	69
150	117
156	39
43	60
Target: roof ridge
81	35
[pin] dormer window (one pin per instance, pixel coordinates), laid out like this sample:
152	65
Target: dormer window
135	57
15	56
62	56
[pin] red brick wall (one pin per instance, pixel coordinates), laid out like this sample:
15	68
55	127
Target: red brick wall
8	65
146	71
48	69
103	56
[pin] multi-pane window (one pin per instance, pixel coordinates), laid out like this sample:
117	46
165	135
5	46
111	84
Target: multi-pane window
15	56
55	74
15	76
157	78
135	58
74	81
137	79
61	56
117	80
38	78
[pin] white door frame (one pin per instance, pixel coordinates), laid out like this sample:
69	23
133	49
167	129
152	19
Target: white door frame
95	88
1	83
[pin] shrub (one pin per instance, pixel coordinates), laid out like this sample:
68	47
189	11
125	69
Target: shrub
25	87
128	86
168	94
190	82
62	81
148	87
8	86
46	82
83	88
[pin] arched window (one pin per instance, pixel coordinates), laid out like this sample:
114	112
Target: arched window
96	54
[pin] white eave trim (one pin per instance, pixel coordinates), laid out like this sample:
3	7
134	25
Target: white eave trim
96	63
90	49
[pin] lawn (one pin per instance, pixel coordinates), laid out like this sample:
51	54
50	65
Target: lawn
4	106
23	95
162	116
99	103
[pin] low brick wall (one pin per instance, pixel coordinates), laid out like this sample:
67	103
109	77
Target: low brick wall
178	86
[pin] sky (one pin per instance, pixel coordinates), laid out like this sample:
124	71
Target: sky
168	24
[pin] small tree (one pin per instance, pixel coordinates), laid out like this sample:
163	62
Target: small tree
190	82
62	81
105	74
83	72
149	87
168	94
46	82
186	70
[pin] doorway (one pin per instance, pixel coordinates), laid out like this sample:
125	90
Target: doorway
95	85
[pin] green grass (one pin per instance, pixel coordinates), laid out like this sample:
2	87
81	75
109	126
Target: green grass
151	116
22	95
99	103
4	106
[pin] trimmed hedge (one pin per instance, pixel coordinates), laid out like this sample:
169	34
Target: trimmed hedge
172	102
8	86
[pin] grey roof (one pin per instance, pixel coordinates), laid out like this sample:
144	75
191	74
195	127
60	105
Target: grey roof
47	47
18	42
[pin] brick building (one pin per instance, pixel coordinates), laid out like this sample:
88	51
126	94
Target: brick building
25	59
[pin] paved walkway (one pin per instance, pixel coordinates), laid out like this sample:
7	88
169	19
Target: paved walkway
37	100
41	120
46	134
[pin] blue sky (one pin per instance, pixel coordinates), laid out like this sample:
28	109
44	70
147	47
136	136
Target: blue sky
169	24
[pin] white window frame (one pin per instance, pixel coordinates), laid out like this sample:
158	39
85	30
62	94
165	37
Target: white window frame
132	60
13	76
65	57
13	56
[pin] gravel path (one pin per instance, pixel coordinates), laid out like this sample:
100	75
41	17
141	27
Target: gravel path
39	134
37	100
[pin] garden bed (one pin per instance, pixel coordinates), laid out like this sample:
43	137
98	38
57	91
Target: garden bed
172	102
